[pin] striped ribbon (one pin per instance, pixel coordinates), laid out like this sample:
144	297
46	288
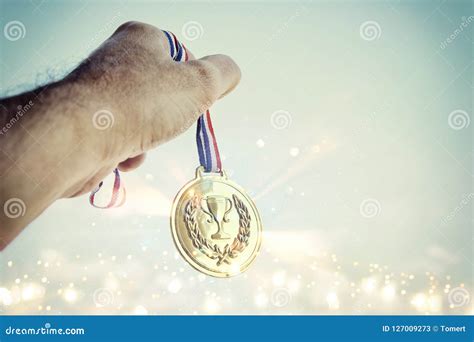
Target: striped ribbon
208	151
206	141
113	203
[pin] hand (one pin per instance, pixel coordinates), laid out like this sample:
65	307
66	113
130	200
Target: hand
128	97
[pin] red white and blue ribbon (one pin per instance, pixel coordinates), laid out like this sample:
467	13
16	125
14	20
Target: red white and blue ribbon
208	150
205	138
114	200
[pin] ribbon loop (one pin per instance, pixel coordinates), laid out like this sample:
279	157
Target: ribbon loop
115	193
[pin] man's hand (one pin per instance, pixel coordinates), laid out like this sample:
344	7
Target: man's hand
128	97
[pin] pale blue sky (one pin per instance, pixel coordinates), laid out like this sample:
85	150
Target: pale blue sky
369	120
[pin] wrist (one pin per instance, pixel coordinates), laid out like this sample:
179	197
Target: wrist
47	151
46	143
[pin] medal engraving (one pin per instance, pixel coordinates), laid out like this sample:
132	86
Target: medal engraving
215	225
217	209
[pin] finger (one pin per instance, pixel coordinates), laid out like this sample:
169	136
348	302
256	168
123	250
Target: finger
194	87
132	163
216	75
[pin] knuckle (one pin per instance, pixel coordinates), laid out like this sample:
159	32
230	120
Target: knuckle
136	27
147	36
127	26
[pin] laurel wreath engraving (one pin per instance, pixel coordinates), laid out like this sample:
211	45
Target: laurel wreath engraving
204	245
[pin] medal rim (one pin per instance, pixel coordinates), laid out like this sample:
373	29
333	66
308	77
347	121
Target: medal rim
200	174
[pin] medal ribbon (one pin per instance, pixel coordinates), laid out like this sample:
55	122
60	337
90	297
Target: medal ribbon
208	151
115	193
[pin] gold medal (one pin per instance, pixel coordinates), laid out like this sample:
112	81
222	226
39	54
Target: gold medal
215	225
